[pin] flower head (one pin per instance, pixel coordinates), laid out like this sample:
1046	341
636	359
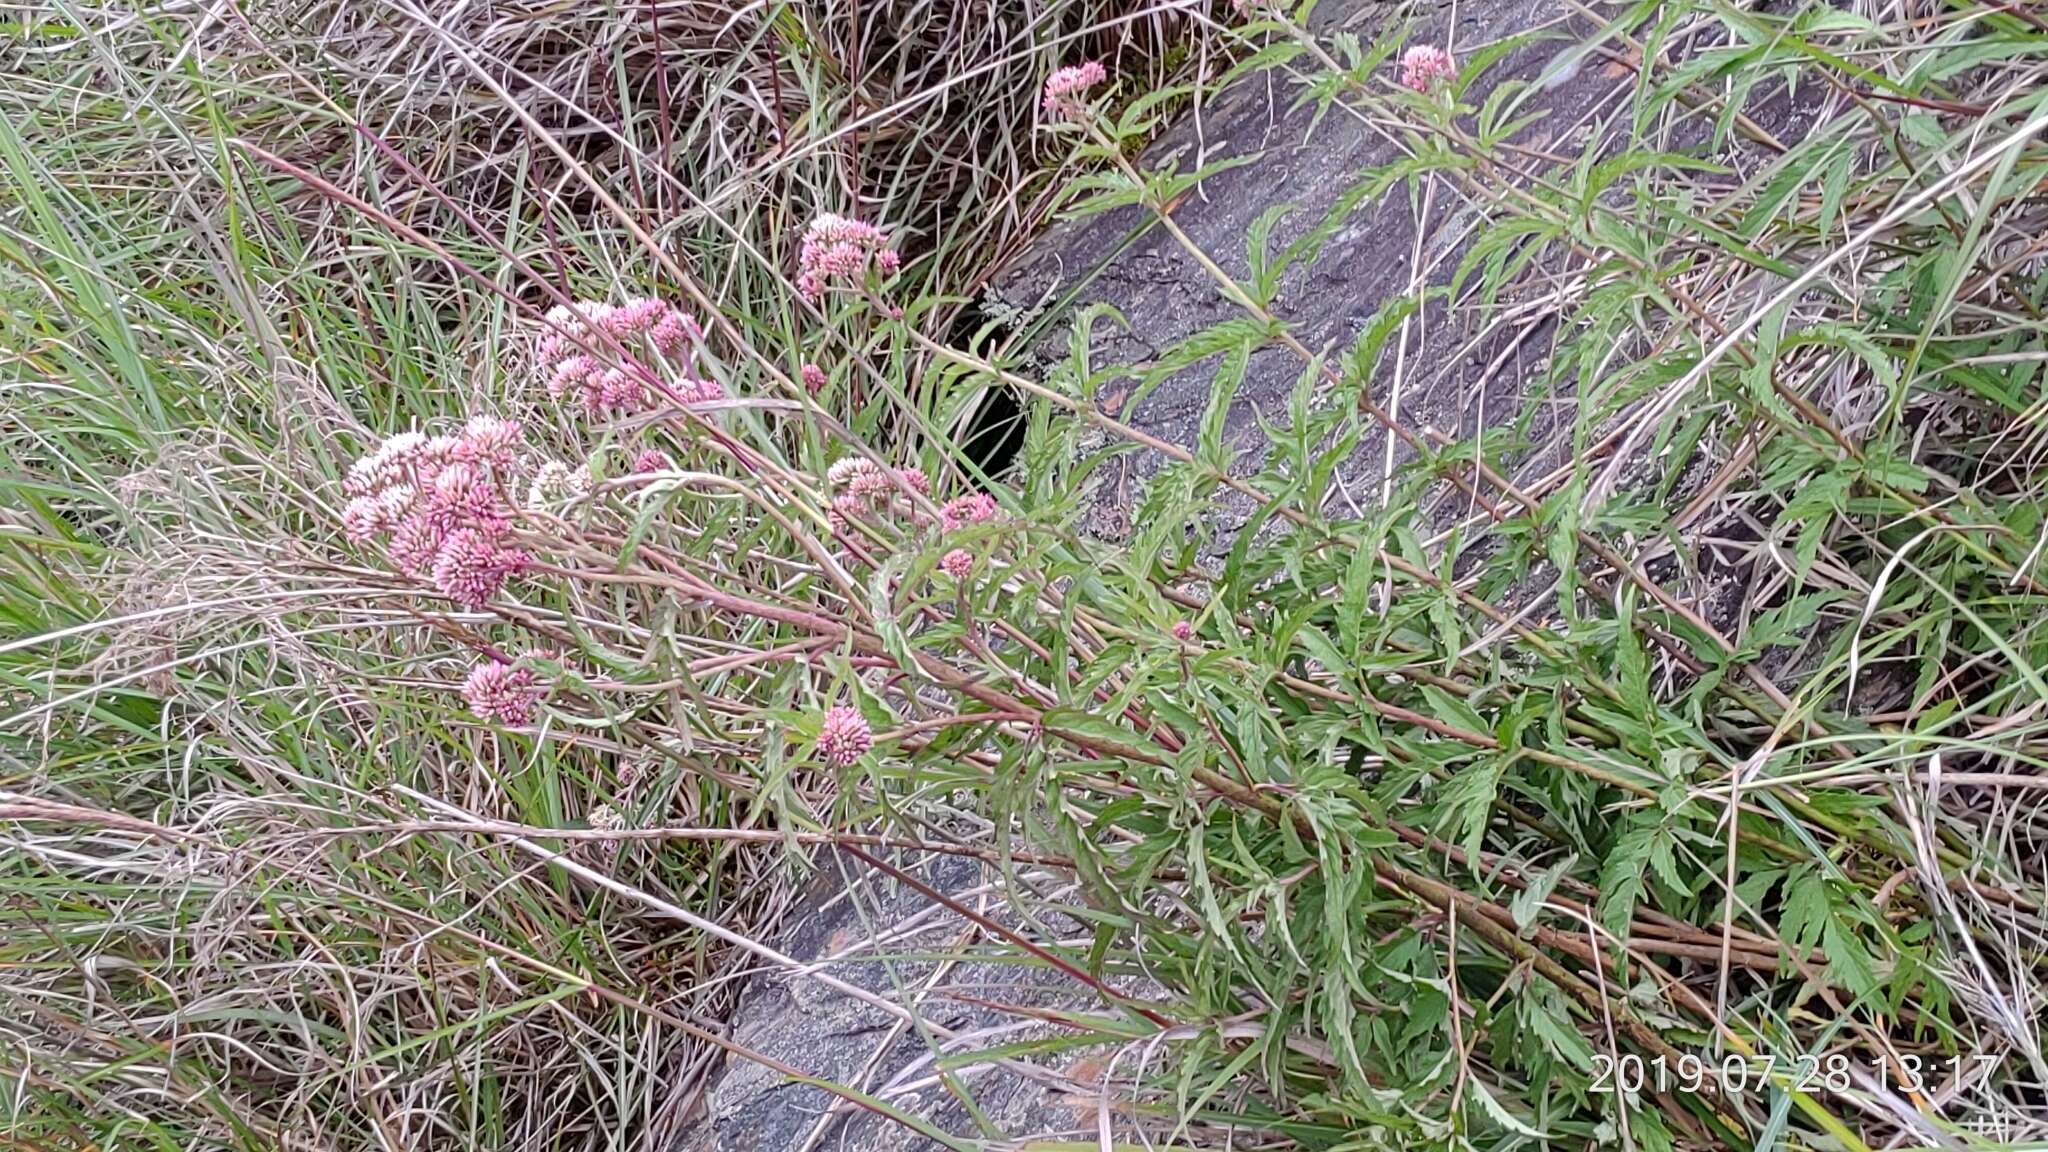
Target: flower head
636	316
1424	66
415	543
503	692
596	315
555	481
390	463
1183	631
836	248
878	485
652	460
441	502
813	377
1066	91
560	323
959	564
869	483
604	383
704	391
465	496
605	818
844	736
963	510
572	375
490	440
845	470
370	516
471	567
675	334
616	390
435	455
570	326
843	511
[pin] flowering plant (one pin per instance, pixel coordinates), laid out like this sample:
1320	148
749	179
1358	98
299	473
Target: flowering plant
486	519
1384	786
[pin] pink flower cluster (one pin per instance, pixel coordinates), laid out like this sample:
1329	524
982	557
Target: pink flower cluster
864	487
669	330
503	692
836	248
961	511
592	380
555	482
597	388
652	460
814	378
844	736
705	391
1066	91
1424	66
441	501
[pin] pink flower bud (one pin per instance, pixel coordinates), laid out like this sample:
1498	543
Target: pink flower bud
1066	91
471	567
370	516
844	736
675	333
1424	66
570	375
705	391
839	249
502	692
491	440
415	543
964	510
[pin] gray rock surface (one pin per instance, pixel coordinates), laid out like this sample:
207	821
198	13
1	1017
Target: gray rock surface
875	933
1451	378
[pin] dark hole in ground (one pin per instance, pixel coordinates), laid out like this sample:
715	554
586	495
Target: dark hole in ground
992	433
